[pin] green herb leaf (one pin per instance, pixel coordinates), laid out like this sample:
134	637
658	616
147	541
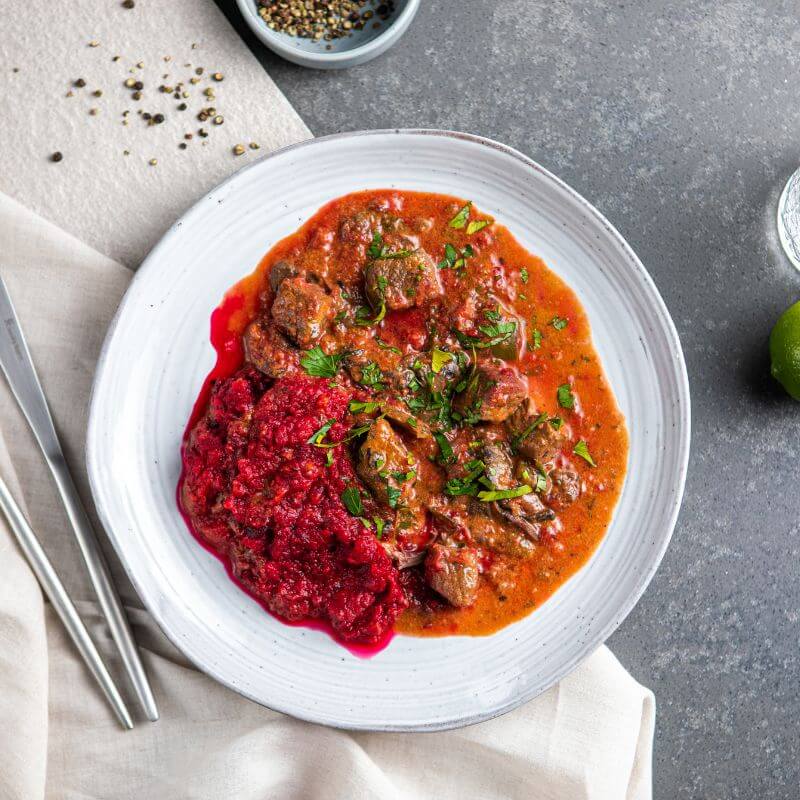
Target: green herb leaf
367	407
460	219
523	274
376	246
529	430
377	249
371	376
351	498
317	363
504	494
319	435
559	323
439	358
556	422
379	526
536	341
364	316
466	485
446	454
329	458
393	496
384	346
477	225
565	397
582	449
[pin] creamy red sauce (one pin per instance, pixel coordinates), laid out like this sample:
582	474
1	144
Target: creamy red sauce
263	489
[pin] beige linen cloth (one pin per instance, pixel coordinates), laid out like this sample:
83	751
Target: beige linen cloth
589	737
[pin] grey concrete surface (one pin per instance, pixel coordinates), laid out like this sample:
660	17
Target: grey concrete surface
680	121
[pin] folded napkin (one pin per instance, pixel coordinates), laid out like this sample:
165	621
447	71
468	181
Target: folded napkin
95	211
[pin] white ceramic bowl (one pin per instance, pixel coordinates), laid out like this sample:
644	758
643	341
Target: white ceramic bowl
358	48
157	354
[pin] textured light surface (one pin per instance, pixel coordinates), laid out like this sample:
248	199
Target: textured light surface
158	354
119	204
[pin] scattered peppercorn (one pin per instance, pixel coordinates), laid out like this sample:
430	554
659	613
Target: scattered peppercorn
255	146
218	76
128	3
130	82
137	95
158	118
153	162
56	157
138	85
218	120
238	150
80	83
97	93
182	107
183	145
93	112
94	43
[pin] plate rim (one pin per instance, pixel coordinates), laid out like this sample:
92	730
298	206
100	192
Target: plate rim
93	440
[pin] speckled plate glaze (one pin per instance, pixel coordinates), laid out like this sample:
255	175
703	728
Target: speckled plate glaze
157	354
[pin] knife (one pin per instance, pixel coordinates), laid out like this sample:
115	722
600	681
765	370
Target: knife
17	366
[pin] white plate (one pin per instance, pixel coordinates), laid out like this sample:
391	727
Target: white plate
157	354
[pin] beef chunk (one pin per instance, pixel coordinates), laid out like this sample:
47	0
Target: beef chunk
493	392
402	282
360	228
301	310
566	488
453	573
382	461
278	273
270	351
416	369
532	437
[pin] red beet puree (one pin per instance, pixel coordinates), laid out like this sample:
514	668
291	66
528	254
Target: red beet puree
263	498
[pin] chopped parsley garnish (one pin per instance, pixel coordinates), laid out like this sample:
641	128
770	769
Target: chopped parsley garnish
377	249
351	498
393	496
379	525
329	458
367	407
498	331
364	316
446	454
371	376
565	397
559	323
466	485
536	341
503	494
477	225
556	422
439	358
385	346
523	274
319	435
582	449
460	219
452	258
319	364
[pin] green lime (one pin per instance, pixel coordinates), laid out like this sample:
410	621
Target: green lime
784	350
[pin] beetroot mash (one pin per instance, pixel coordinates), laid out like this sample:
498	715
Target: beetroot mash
260	494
